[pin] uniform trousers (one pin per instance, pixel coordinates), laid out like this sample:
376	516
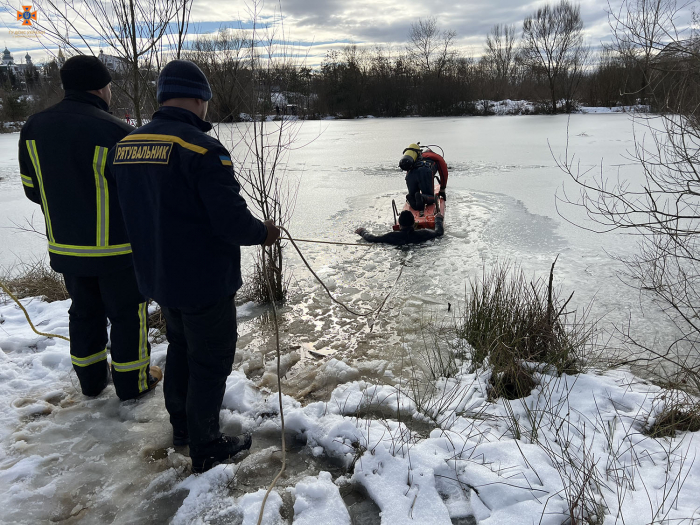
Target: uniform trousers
202	345
114	296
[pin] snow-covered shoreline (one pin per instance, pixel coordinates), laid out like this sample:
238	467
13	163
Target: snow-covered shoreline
580	444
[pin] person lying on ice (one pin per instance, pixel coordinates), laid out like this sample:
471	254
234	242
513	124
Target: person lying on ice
406	235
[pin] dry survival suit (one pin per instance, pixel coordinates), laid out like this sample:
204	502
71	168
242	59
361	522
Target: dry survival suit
62	158
187	220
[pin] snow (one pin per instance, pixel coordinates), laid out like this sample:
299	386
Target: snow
615	109
457	454
317	500
471	465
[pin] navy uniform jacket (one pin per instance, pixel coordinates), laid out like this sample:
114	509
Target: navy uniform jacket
407	236
183	210
62	162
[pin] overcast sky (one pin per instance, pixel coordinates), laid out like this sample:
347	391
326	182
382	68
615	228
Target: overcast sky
320	25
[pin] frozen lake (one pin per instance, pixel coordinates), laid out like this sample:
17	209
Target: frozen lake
68	458
501	207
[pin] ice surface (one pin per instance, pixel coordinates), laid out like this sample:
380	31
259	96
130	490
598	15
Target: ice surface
67	458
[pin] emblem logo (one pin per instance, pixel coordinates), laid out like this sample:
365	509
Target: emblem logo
27	15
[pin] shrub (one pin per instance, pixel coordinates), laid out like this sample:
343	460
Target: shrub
36	279
509	320
679	412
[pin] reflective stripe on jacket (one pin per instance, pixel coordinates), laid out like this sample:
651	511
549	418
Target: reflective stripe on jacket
63	166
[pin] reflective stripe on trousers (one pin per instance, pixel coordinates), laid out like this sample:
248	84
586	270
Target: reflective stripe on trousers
89	360
142	364
27	181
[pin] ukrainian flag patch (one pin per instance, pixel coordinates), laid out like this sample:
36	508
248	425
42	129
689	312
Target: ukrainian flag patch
226	161
143	152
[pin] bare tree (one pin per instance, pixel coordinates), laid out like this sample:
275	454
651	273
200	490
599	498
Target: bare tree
431	48
641	29
225	59
264	147
500	52
131	30
663	210
553	45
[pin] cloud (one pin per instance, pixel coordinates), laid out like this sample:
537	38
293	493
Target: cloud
371	22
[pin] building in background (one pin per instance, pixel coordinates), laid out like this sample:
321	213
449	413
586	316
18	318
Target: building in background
116	64
8	63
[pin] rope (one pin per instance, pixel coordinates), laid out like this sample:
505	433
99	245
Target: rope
336	301
8	292
277	340
279	388
289	238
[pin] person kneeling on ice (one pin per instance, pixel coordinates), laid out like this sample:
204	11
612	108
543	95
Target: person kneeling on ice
407	234
419	177
187	221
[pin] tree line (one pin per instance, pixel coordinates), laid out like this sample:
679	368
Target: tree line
545	60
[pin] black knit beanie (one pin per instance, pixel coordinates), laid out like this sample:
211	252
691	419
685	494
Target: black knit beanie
406	219
182	79
84	73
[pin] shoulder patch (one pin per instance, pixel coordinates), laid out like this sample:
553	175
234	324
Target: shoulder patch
226	161
143	153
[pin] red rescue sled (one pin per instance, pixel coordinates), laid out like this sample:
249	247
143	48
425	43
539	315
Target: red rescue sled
426	218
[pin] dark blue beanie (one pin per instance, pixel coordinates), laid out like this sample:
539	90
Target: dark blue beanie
182	79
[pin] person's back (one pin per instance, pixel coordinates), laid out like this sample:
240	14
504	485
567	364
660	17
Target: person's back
180	187
64	148
186	221
419	177
63	165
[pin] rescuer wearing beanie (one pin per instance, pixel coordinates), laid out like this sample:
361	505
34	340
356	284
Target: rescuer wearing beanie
187	221
62	159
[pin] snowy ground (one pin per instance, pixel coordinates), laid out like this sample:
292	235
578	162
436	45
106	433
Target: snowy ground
437	456
69	459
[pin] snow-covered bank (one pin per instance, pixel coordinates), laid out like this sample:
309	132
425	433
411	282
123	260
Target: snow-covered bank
580	445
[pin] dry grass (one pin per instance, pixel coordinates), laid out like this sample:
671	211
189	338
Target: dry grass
156	326
36	279
509	320
678	412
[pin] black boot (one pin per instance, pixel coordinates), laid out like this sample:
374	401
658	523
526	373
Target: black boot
218	451
181	437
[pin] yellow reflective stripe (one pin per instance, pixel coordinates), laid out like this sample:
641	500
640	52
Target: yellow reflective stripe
131	365
89	251
89	360
168	138
143	380
27	181
143	330
98	166
31	147
143	344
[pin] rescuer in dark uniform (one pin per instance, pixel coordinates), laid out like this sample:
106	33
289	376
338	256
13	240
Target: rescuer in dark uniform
62	160
187	220
406	235
419	177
